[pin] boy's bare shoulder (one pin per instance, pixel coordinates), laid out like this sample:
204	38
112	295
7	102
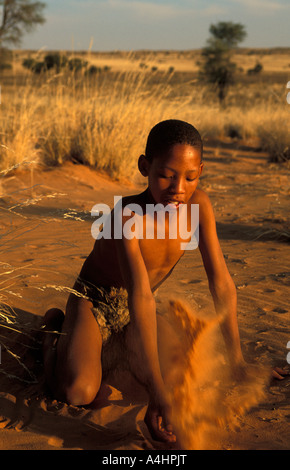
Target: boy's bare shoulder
206	212
133	199
200	197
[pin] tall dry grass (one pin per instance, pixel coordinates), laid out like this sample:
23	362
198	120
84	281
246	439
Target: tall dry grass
103	120
97	121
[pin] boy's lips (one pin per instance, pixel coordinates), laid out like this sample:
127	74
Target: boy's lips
173	203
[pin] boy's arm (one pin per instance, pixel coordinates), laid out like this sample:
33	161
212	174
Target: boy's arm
142	336
221	285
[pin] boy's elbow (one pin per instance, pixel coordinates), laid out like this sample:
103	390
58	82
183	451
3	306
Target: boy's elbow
143	297
223	289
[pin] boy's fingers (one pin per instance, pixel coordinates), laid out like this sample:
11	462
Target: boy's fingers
162	426
279	374
169	429
155	420
160	433
159	423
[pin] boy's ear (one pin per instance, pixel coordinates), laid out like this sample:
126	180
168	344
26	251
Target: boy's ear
201	168
143	165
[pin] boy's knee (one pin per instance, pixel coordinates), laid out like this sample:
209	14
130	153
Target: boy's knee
79	393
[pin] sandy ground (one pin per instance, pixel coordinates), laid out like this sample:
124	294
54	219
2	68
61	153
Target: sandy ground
45	237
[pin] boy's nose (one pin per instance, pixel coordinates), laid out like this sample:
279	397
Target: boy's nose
178	186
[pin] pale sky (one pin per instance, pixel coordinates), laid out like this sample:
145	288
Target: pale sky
108	25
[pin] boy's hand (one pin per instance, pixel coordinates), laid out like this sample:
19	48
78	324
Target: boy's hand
157	424
241	371
280	374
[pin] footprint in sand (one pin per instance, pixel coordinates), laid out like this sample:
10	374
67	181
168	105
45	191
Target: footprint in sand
190	281
280	310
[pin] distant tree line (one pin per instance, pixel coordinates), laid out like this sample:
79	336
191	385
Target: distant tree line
59	62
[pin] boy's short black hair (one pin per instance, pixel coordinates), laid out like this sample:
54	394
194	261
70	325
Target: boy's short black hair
167	133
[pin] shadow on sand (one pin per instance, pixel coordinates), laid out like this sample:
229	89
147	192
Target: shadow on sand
112	421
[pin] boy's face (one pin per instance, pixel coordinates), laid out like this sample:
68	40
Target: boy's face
173	176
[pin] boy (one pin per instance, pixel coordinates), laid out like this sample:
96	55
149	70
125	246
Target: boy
117	281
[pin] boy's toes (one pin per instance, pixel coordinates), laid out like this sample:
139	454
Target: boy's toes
53	319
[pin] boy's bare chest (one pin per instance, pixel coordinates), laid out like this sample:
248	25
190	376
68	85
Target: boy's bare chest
160	254
165	237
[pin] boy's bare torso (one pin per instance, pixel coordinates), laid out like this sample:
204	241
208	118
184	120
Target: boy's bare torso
102	267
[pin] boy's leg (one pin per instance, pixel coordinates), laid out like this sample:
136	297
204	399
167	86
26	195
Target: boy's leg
77	373
52	325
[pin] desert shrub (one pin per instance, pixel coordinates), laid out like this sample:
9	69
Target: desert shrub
5	66
93	70
28	63
76	64
234	131
55	61
255	70
5	58
39	67
51	61
34	65
275	140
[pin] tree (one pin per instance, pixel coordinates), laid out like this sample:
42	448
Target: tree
19	16
217	67
231	34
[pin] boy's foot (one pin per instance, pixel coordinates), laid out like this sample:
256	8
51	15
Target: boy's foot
52	324
154	422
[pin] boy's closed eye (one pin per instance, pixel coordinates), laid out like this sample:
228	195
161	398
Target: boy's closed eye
166	176
170	177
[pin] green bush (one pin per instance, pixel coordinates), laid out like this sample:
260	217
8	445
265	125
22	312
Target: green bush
233	131
257	69
55	61
5	57
33	65
77	64
93	70
28	63
5	66
275	141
